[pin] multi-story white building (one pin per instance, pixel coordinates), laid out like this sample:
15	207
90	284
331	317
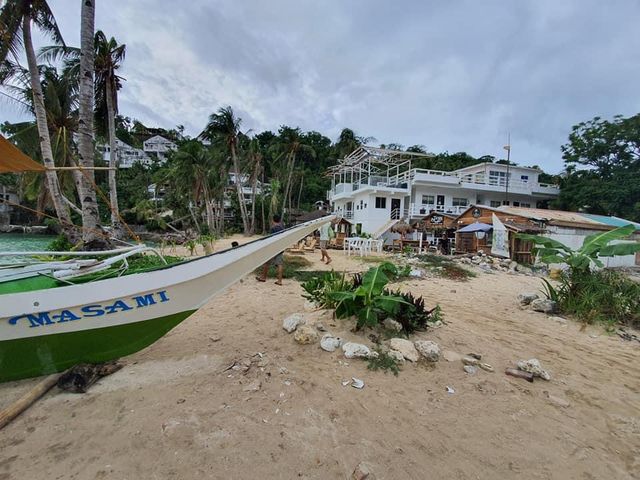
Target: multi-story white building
127	155
374	188
158	146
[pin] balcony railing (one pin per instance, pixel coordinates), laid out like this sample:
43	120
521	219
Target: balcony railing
422	210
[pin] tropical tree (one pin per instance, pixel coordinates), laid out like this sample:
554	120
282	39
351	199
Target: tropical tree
109	55
255	164
86	183
61	105
16	18
290	144
196	171
602	159
348	141
223	130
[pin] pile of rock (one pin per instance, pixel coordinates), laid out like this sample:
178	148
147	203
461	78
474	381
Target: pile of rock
490	263
399	349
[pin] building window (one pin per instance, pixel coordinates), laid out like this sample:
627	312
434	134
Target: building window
525	205
524	178
505	202
460	202
428	200
516	204
381	202
494	203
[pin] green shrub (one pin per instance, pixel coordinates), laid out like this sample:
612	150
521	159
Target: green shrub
593	296
383	362
60	244
445	267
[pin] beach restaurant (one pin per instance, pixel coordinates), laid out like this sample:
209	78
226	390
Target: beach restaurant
495	230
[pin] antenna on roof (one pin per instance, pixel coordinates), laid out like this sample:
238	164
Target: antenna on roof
507	147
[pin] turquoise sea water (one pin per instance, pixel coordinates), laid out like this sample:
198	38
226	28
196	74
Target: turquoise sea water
17	242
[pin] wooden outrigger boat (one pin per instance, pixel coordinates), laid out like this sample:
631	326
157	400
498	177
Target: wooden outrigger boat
47	330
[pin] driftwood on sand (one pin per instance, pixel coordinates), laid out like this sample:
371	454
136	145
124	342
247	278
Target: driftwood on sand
24	402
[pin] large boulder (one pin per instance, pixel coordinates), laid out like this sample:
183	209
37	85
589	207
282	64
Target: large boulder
405	347
305	335
428	349
525	298
543	305
292	322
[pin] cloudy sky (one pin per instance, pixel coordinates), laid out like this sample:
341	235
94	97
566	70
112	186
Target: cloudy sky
455	75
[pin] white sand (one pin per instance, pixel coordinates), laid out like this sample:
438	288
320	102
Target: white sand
173	412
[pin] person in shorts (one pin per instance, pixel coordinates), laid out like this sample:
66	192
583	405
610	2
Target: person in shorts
278	260
325	237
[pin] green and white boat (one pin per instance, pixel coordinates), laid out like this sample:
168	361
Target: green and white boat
49	323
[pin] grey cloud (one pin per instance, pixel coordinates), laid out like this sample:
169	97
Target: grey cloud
450	75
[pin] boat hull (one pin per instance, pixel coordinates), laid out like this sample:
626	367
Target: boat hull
41	355
46	331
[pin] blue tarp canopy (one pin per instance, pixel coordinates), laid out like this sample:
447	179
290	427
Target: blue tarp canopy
475	227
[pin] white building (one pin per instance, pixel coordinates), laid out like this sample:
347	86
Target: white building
127	155
374	188
158	146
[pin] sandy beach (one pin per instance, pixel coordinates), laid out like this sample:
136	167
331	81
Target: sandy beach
175	411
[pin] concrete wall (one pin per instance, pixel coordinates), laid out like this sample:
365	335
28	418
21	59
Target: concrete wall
574	237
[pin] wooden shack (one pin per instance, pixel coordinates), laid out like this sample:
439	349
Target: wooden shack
438	230
519	250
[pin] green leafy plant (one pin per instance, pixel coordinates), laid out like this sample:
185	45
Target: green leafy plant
593	247
591	295
191	246
413	314
383	361
369	302
320	288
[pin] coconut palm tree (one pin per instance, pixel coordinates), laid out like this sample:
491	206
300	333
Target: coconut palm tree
255	162
86	183
109	55
195	170
16	18
291	144
224	129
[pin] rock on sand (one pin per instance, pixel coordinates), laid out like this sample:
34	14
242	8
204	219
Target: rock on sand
405	347
292	322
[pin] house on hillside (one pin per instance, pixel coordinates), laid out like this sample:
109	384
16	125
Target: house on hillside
374	188
8	197
127	155
158	147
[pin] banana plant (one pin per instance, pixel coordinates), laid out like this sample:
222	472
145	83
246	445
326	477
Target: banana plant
369	302
593	247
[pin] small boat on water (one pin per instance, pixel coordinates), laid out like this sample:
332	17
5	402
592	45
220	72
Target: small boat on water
46	328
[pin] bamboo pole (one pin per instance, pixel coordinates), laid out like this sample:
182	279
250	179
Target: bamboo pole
82	168
24	402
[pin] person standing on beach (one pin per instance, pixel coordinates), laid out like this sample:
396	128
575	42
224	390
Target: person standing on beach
325	235
278	260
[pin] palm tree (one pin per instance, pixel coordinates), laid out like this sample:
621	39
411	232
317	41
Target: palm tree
86	184
291	144
16	17
348	141
255	161
224	129
109	56
195	170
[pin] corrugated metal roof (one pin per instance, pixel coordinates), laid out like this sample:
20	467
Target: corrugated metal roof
613	221
583	219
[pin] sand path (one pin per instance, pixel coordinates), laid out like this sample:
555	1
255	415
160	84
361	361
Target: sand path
174	412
